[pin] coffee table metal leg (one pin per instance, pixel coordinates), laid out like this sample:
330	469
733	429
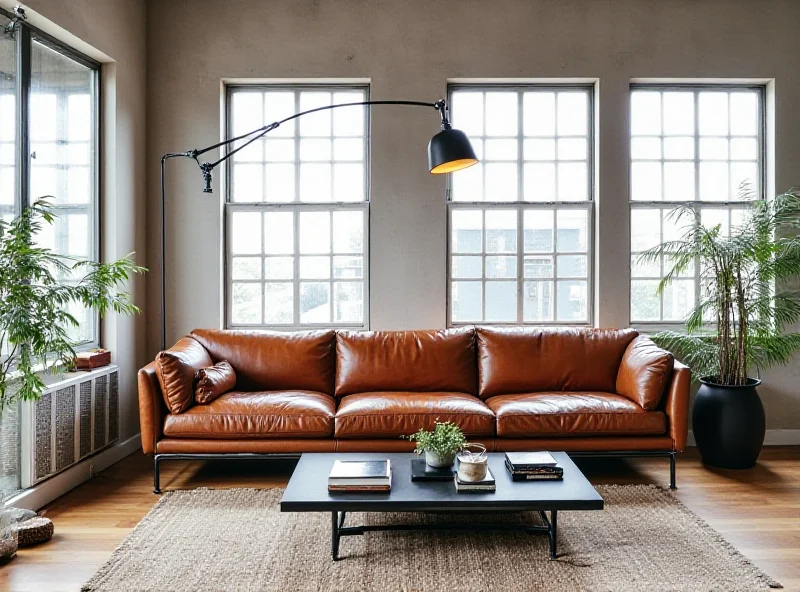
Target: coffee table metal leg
335	535
553	534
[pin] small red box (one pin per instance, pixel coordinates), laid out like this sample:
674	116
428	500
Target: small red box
88	360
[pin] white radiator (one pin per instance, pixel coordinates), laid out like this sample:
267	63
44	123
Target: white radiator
75	418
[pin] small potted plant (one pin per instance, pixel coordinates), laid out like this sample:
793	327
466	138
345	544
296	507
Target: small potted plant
439	445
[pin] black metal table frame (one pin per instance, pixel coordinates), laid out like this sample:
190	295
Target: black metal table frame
550	528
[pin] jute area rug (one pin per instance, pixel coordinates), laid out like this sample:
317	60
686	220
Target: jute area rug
238	540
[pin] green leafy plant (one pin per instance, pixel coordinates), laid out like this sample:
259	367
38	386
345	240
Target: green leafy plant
747	300
34	300
445	439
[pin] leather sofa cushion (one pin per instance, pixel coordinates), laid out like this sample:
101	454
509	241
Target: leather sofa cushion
527	360
395	414
269	414
535	415
644	373
275	361
418	361
175	370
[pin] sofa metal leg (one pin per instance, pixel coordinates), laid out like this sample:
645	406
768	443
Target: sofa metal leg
156	474
672	471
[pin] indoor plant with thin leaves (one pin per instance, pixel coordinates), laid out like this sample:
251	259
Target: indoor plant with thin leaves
741	320
35	321
441	444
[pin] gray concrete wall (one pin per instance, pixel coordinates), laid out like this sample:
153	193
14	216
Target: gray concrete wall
410	49
113	32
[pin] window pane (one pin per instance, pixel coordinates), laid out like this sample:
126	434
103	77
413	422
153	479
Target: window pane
538	231
467	111
744	113
540	182
348	232
246	268
467	301
246	233
501	114
679	181
501	301
538	267
713	116
315	302
501	231
572	300
573	184
348	302
315	268
540	149
278	268
645	229
646	148
278	303
467	231
678	113
645	113
501	267
573	112
348	268
571	231
467	267
539	113
571	266
646	181
645	304
278	232
315	232
538	303
246	303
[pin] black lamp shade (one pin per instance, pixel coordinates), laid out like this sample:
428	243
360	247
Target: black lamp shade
450	150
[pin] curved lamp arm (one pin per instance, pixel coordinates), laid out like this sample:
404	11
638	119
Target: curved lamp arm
448	151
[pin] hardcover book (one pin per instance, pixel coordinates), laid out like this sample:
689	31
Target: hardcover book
360	474
520	460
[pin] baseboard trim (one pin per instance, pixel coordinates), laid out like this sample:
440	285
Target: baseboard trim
772	438
45	492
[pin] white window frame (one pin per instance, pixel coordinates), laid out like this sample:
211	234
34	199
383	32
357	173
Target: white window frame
521	206
296	207
697	204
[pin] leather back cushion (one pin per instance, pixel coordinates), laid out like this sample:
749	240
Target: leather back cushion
175	369
272	360
644	373
524	360
427	361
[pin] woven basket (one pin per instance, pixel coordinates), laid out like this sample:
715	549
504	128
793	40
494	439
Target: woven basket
33	531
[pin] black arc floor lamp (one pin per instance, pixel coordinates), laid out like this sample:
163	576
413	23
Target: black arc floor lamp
448	151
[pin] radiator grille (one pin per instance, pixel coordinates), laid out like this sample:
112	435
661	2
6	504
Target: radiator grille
44	422
113	408
100	395
74	419
85	413
65	427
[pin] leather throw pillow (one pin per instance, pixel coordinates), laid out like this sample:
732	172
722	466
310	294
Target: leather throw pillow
175	370
214	382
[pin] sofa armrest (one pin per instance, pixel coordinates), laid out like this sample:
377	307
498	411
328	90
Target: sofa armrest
151	408
677	405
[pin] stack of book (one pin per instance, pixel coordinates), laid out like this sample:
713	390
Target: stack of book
533	466
360	475
484	486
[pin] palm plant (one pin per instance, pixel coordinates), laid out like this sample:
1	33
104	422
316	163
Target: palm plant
746	303
34	319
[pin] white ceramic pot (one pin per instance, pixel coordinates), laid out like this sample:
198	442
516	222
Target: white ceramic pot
439	462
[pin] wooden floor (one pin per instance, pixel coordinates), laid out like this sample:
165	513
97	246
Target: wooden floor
758	511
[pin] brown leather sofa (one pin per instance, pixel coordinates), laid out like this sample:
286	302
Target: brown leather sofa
585	391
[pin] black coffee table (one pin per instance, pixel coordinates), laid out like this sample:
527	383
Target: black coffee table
307	491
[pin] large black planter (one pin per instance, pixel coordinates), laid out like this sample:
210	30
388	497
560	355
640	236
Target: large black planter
728	424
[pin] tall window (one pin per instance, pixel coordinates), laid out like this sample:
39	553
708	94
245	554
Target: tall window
520	221
297	209
58	153
52	153
701	145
